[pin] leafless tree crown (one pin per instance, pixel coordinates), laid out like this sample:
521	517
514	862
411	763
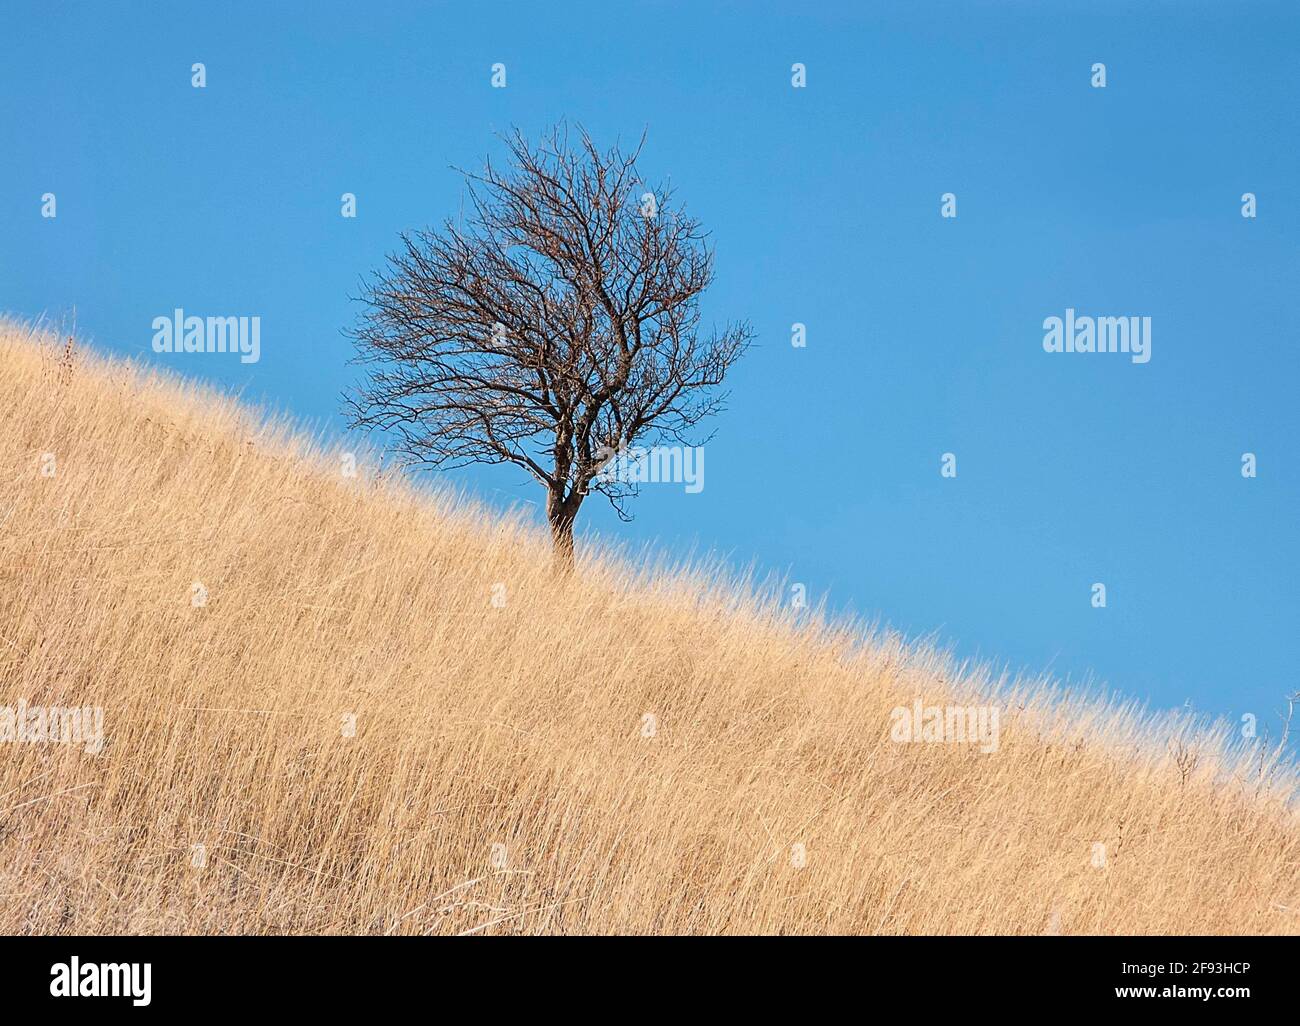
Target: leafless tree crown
553	325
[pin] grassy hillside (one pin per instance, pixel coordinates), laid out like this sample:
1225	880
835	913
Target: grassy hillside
335	704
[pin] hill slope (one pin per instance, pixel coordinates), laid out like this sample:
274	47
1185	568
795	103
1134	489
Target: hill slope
335	704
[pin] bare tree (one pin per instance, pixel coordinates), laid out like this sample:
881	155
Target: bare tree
552	326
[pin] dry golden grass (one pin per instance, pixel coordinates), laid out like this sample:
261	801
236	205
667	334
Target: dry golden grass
521	726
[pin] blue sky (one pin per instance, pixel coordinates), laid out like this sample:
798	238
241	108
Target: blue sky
924	333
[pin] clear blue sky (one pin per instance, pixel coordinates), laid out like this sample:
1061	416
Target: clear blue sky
924	334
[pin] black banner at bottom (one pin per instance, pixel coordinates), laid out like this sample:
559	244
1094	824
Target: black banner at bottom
150	975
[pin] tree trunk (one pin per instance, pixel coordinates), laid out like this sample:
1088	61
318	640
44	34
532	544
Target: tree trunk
561	513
